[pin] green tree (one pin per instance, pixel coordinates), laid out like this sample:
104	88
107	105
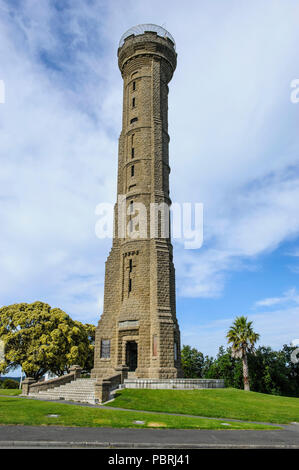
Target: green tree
10	383
226	367
243	339
40	339
91	332
274	372
292	370
268	371
192	362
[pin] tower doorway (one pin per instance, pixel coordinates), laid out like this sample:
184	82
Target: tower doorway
131	355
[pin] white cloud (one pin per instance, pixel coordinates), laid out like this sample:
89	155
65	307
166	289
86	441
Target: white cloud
234	139
239	138
270	301
294	253
57	164
277	324
290	295
276	328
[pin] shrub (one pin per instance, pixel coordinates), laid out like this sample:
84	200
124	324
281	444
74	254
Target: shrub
10	383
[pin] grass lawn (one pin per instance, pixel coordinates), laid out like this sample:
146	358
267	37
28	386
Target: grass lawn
15	410
222	403
11	392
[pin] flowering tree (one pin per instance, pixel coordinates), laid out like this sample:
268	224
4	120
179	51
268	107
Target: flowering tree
42	339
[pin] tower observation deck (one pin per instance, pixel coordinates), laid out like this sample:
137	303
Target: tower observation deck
143	28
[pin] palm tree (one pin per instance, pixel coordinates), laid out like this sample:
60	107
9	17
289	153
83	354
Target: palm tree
243	339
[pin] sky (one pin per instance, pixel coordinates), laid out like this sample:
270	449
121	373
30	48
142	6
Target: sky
234	147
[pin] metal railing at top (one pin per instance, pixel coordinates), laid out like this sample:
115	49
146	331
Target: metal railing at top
142	28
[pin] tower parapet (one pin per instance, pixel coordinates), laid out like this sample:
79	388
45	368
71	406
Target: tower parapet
155	42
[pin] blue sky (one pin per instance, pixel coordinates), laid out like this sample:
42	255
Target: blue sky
234	146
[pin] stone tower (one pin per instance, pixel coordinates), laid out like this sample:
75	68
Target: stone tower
138	327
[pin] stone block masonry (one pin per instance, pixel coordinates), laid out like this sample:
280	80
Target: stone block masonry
174	384
138	327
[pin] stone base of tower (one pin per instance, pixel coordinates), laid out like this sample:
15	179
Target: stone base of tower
174	384
102	373
149	351
163	373
151	373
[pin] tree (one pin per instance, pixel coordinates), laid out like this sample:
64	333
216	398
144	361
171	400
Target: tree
226	367
194	364
268	371
289	352
243	338
91	332
9	383
42	339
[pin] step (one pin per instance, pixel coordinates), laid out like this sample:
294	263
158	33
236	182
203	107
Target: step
76	385
58	392
81	390
74	388
85	399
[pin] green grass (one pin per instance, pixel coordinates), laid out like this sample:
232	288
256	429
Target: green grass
15	410
222	403
11	392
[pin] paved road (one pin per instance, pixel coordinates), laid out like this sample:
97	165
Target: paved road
56	436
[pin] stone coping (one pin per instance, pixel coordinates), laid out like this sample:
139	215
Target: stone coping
174	384
174	380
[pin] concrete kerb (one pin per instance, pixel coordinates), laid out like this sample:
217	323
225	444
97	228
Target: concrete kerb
126	445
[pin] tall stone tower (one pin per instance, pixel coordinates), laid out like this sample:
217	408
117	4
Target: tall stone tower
138	327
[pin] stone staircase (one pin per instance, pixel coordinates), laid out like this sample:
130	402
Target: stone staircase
83	390
80	390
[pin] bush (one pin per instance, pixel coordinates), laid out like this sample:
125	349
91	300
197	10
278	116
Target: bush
10	383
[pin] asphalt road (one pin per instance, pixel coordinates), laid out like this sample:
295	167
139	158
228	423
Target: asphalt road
65	437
